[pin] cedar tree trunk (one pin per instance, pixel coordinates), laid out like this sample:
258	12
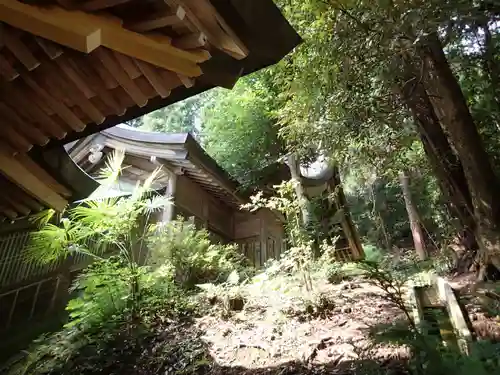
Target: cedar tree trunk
460	126
443	160
416	228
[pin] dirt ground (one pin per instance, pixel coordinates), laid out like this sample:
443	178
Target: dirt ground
278	331
263	337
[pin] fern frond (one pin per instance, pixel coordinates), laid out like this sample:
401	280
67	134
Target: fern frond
156	204
113	168
48	245
42	218
152	178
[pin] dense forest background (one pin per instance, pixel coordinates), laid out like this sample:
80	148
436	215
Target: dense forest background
389	91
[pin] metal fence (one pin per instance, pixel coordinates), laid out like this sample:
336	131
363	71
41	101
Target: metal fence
15	265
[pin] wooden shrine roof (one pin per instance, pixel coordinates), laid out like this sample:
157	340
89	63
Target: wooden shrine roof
144	151
71	68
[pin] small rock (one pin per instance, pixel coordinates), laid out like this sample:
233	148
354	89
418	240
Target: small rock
272	338
346	310
226	332
473	317
337	309
345	286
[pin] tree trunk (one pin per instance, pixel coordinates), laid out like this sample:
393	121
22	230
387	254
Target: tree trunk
304	204
416	228
443	160
460	126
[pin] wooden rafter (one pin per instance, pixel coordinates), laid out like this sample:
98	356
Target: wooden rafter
19	195
190	41
43	175
58	107
101	4
206	19
156	21
51	49
153	78
13	119
113	67
7	71
86	32
19	49
22	175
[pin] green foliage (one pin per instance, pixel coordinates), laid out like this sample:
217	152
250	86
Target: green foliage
101	314
372	253
101	226
191	254
179	117
378	209
238	129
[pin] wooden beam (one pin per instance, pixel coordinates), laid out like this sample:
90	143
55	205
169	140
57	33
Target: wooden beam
16	140
156	50
43	175
128	65
86	32
190	41
101	4
186	81
8	212
22	176
206	19
13	192
16	205
54	23
158	20
17	99
98	85
66	66
71	87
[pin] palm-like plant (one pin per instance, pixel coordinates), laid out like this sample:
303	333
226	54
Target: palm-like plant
96	228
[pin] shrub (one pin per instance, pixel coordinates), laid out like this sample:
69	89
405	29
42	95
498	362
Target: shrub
102	314
190	253
372	253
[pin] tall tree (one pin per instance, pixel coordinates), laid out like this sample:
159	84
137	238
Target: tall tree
457	119
415	225
339	92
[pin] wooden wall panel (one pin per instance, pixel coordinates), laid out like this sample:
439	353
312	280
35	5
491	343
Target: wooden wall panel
246	225
260	235
213	212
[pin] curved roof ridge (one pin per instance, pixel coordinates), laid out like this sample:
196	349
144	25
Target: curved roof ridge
132	134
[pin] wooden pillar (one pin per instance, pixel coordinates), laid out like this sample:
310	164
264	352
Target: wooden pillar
168	212
263	241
